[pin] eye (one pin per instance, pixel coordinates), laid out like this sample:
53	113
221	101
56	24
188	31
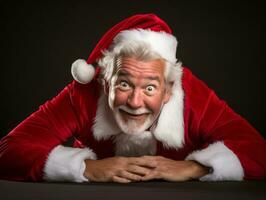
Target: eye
123	85
150	89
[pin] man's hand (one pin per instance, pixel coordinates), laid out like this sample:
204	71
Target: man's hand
172	170
130	169
118	169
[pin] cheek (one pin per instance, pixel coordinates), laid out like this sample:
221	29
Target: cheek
120	98
154	104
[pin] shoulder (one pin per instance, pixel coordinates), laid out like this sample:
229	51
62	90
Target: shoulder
195	90
193	86
197	95
84	98
81	91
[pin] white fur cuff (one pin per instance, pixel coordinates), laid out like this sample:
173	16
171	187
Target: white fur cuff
225	164
67	164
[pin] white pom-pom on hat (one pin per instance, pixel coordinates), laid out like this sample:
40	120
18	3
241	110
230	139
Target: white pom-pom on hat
82	72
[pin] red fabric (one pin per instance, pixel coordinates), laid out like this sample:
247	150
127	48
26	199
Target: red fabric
24	150
143	21
210	119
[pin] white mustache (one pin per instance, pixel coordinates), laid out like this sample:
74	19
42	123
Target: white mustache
139	111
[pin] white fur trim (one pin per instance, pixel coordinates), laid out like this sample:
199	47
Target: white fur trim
82	71
104	124
160	42
225	164
170	126
67	164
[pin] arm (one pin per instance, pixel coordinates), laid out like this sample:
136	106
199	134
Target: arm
24	151
229	144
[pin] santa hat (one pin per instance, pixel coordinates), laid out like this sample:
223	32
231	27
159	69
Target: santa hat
147	28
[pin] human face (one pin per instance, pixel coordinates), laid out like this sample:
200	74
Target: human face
140	92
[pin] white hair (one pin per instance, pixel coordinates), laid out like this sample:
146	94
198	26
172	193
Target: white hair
139	49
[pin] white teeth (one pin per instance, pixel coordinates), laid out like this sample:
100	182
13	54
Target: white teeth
139	111
132	113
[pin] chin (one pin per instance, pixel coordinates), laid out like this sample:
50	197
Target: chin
132	127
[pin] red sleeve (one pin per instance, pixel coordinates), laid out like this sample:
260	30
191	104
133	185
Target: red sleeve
24	150
215	121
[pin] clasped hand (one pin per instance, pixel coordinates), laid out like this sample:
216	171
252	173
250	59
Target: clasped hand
132	169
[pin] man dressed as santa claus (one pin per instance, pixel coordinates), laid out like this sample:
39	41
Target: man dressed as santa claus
135	114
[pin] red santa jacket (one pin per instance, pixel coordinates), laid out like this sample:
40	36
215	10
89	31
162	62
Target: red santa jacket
200	127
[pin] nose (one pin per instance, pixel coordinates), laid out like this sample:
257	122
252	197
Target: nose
135	100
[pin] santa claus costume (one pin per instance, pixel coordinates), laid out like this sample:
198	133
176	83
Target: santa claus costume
194	125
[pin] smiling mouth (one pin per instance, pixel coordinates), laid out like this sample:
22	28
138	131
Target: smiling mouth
131	115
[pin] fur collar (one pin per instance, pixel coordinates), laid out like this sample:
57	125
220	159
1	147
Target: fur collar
169	129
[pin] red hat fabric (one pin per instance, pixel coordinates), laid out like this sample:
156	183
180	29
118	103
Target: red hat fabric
83	71
141	21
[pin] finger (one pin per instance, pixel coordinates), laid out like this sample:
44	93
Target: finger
129	176
145	161
118	179
150	176
139	170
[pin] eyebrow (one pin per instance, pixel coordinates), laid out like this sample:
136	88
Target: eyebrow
124	73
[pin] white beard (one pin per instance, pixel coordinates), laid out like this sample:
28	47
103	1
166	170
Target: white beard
135	139
135	145
132	126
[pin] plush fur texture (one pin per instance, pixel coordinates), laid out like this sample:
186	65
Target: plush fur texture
225	164
67	164
104	124
82	72
170	126
160	42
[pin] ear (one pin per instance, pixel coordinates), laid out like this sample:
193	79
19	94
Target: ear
168	92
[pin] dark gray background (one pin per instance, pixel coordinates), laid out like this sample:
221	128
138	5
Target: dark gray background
222	43
154	190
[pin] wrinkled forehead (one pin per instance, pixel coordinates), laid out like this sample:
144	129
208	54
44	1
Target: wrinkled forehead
135	66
